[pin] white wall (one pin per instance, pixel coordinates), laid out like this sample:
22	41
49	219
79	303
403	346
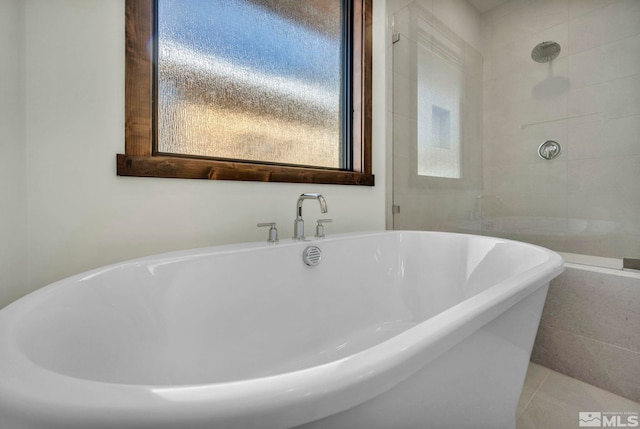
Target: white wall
81	215
13	201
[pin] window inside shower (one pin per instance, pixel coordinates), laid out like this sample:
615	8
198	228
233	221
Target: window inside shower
439	89
440	85
438	104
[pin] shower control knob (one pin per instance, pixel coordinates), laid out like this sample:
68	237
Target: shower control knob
549	149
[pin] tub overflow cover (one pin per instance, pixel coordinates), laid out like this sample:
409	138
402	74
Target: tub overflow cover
312	256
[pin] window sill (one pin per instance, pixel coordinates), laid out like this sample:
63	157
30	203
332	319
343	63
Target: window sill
192	168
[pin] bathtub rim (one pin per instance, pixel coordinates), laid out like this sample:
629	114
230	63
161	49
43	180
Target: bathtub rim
331	384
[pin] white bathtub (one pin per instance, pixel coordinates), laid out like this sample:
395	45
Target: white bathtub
390	330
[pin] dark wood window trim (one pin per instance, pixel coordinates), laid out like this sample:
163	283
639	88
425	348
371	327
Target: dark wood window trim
140	160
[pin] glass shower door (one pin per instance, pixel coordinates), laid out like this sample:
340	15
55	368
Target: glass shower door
437	124
540	149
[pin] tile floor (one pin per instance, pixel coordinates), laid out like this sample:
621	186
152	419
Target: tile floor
551	400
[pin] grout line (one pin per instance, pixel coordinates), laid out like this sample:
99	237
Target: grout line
524	409
604	82
610	42
591	339
525	126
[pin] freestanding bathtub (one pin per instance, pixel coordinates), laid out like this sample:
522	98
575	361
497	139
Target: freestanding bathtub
388	330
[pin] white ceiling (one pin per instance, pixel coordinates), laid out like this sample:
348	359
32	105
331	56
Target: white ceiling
485	5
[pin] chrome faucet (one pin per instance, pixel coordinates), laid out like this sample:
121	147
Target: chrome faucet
298	224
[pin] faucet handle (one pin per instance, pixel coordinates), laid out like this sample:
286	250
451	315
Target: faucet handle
273	231
320	227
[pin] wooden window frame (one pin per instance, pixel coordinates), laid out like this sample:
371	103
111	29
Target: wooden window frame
141	160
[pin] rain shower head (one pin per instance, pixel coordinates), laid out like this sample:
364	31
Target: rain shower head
545	52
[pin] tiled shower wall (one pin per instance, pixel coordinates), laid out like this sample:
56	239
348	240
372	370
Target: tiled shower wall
587	99
590	329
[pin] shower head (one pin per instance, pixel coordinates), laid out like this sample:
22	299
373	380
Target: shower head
545	52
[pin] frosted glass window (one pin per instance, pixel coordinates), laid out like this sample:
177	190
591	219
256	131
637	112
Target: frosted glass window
441	128
439	107
257	80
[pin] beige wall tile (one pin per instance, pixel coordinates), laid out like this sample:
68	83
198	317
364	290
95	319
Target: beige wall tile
612	368
604	138
594	305
614	176
612	99
580	7
605	63
595	28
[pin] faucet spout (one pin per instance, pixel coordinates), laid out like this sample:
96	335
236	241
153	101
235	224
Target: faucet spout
298	225
310	196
